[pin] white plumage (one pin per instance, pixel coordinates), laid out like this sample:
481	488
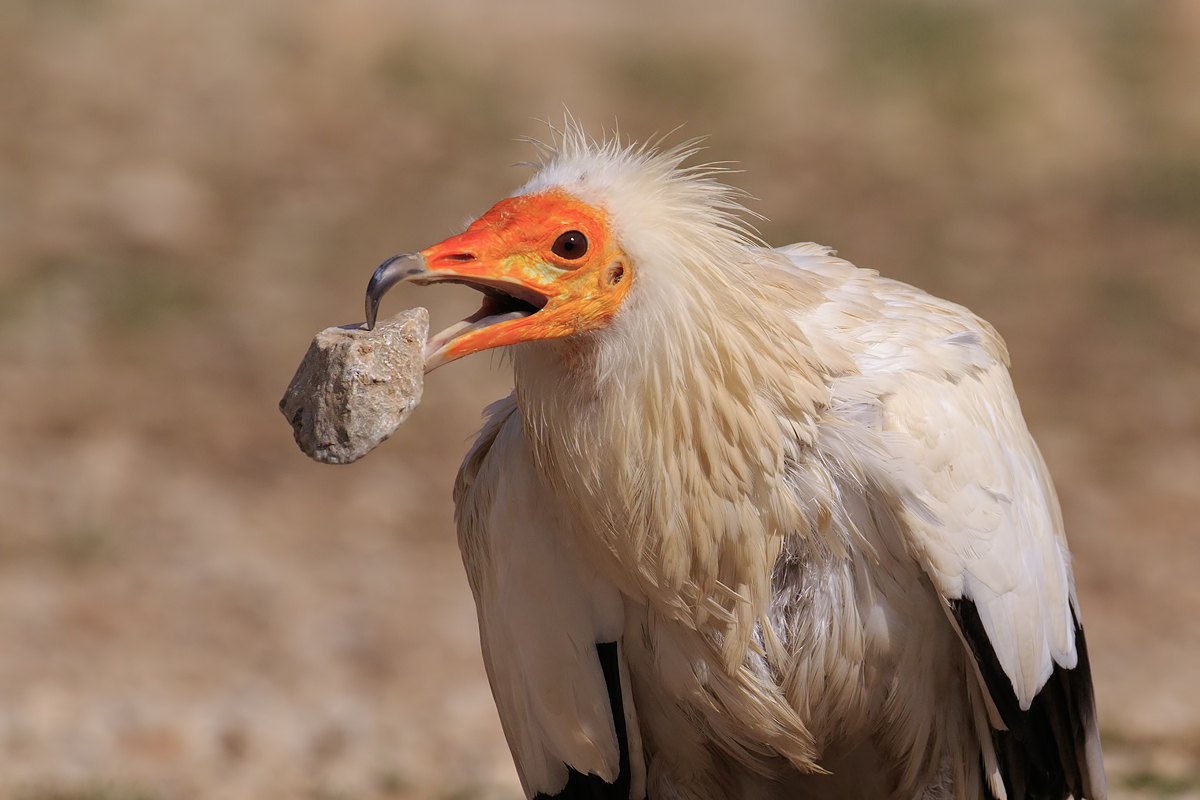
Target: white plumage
754	523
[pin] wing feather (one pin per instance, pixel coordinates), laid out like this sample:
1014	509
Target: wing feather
980	513
984	520
542	613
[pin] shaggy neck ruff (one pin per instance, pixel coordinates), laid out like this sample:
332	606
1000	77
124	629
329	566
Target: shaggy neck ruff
673	430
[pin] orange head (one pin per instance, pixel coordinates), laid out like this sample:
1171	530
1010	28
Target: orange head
547	265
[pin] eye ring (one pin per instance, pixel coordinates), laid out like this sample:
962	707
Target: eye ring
572	246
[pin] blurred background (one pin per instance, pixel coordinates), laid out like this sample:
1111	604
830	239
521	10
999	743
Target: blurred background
189	608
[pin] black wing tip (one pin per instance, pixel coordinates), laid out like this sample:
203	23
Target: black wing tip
586	787
1043	754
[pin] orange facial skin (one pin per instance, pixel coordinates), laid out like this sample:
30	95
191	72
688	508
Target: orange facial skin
510	248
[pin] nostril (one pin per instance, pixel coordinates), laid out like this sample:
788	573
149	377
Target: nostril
460	257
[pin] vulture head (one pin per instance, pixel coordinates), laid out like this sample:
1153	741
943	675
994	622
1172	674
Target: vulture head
607	239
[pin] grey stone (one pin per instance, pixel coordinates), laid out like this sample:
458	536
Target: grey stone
354	386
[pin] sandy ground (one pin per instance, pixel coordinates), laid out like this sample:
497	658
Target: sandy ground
188	191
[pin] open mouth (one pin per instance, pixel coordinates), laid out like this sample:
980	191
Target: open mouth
502	302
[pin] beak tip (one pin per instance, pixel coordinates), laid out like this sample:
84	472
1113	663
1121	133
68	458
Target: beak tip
372	309
389	273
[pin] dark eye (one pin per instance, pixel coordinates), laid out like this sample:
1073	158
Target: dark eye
571	245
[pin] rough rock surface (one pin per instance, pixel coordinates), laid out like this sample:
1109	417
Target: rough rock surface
355	386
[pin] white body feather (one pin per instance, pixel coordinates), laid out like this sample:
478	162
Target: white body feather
768	480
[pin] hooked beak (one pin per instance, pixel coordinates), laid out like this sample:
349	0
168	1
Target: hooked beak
396	269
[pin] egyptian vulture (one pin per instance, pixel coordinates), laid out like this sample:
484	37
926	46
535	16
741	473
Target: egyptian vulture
754	523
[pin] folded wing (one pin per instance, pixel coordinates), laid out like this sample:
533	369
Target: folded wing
550	627
980	515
